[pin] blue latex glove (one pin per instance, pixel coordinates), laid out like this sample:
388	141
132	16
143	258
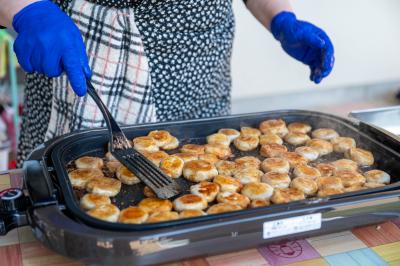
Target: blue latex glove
49	43
306	43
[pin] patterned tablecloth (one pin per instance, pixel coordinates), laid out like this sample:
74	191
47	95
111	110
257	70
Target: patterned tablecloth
371	245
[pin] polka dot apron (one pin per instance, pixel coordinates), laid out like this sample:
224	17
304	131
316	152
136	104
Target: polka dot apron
167	60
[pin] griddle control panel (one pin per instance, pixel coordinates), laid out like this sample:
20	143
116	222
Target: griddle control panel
13	204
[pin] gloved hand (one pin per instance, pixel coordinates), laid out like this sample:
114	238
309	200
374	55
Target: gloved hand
49	43
304	42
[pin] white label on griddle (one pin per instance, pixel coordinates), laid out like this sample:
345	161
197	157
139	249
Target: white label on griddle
292	225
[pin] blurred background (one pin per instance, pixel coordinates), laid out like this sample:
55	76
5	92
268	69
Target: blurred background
366	36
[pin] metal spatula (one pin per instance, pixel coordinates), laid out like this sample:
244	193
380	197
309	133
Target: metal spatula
164	186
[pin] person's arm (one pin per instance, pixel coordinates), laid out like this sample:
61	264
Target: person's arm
8	9
300	39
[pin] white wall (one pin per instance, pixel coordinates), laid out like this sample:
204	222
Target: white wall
365	33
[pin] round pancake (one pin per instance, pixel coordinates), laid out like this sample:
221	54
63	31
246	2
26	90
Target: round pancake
218	138
133	215
231	133
259	203
248	175
198	170
246	162
322	146
187	157
350	178
152	205
306	171
276	180
126	176
233	198
293	158
308	186
80	177
171	145
299	127
105	212
211	158
333	182
193	148
377	176
360	156
276	126
161	137
344	164
156	157
205	189
223	207
257	191
172	166
89	201
246	143
325	134
250	131
309	153
325	192
191	213
296	138
89	162
113	166
159	217
190	202
286	195
278	165
145	143
227	183
221	151
226	167
272	150
270	138
104	186
149	193
326	169
343	144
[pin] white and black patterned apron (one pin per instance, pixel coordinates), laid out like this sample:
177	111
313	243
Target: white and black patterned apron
152	60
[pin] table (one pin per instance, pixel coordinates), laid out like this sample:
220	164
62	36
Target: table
370	245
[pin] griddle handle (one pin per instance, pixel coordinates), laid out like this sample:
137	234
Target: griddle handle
13	206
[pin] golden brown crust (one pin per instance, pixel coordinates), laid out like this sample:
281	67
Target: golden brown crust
230	133
276	180
326	169
199	170
223	207
325	192
308	186
322	146
350	178
145	143
299	127
325	134
152	205
187	157
257	191
276	126
211	158
221	151
156	157
250	131
278	165
89	162
89	201
293	158
270	138
247	162
259	203
133	215
113	166
158	217
360	156
309	153
343	144
286	195
104	186
233	198
226	167
126	176
227	183
296	138
161	137
344	164
248	175
105	212
190	202
246	143
80	177
353	188
173	144
329	182
205	189
149	193
193	148
377	176
306	171
218	138
172	166
191	213
272	150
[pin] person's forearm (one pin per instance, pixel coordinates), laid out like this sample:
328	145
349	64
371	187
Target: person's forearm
8	9
265	10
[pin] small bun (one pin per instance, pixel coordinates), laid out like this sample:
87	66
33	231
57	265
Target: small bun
126	176
159	217
172	144
233	198
190	202
205	189
246	162
113	166
322	146
309	153
187	157
80	177
276	180
343	144
258	191
259	203
211	158
326	169
299	127
105	212
223	207
250	131
278	165
246	143
232	134
156	157
329	182
104	186
149	193
151	205
219	138
350	178
89	201
276	126
294	159
308	186
89	162
172	166
248	175
221	151
360	156
161	137
198	170
270	138
377	176
272	150
344	164
226	168
193	148
325	134
227	183
296	138
286	195
191	213
325	192
145	143
306	171
133	215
